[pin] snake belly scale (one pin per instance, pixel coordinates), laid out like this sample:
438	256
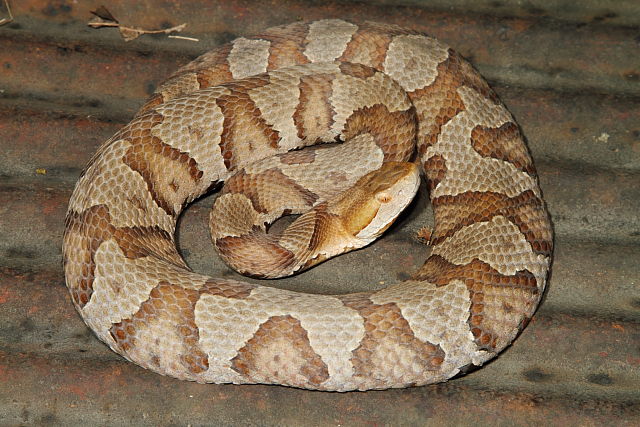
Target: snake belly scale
255	100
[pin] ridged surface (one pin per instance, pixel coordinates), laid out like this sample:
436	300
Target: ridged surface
583	144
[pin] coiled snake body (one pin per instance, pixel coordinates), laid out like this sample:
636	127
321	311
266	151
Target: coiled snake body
235	114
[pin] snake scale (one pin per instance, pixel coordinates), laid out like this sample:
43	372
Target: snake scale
241	113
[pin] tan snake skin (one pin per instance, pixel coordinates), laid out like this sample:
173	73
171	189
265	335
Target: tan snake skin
327	80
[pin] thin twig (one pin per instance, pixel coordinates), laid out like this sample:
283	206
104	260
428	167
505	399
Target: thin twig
193	39
131	33
177	28
106	19
4	21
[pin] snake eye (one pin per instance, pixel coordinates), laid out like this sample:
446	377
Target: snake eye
383	197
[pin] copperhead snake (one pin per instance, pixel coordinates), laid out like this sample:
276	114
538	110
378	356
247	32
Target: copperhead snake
240	113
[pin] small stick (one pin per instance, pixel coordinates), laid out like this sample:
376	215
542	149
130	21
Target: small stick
193	39
131	33
106	19
4	21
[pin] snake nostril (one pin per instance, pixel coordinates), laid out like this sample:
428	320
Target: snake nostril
384	197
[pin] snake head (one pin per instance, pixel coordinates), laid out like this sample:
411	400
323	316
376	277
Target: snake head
376	200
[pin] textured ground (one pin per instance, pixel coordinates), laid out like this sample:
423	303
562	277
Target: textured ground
570	73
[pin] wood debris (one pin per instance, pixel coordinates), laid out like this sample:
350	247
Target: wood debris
4	21
104	18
